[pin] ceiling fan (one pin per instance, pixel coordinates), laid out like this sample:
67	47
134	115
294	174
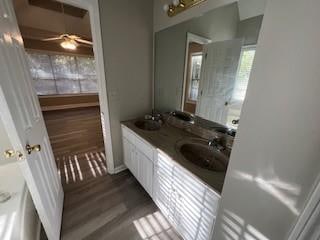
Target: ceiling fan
70	42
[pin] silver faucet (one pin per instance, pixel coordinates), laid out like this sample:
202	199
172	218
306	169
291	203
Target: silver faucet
215	142
235	121
154	116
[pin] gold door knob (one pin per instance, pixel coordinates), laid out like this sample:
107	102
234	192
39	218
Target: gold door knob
35	148
11	153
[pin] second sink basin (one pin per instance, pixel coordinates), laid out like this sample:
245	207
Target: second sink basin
198	152
149	125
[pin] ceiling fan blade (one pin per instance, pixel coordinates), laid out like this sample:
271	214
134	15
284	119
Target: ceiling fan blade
73	37
84	41
51	39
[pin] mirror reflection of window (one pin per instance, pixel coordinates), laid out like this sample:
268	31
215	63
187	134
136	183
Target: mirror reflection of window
196	60
241	84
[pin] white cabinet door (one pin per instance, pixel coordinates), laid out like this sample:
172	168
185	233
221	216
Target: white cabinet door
145	172
162	183
127	152
190	203
138	157
134	161
130	157
209	213
165	194
197	205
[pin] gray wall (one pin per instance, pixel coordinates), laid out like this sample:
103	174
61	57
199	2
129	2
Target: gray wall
127	35
275	164
249	30
218	25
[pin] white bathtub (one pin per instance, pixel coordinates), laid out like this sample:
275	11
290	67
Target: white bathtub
18	217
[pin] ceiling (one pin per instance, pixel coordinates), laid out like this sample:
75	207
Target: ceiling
39	19
59	7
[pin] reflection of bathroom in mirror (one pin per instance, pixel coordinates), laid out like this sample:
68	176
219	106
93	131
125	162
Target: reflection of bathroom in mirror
202	66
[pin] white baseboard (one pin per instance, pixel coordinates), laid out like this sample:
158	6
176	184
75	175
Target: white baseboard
120	168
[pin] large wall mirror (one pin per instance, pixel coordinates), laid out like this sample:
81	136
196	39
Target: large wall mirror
202	66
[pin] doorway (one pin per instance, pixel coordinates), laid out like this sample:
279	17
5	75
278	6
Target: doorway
194	62
192	71
23	117
70	85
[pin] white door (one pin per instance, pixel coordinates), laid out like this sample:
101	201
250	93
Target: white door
20	112
218	75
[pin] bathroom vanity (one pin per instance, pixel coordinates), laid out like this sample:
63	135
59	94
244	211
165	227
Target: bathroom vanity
188	195
202	68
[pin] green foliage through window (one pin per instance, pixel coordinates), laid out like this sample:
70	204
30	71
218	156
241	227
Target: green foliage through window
62	74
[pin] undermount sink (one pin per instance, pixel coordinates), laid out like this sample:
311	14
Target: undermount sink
149	125
198	152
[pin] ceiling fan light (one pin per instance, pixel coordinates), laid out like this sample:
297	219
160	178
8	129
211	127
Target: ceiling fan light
67	44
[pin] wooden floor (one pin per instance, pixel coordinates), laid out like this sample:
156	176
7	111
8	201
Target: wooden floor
74	131
98	205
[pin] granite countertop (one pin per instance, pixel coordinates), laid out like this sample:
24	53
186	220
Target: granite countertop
165	140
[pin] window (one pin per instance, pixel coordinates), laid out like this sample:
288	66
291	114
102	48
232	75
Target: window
196	61
243	74
42	74
62	74
241	84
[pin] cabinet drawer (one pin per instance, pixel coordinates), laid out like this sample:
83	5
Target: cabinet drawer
128	134
139	143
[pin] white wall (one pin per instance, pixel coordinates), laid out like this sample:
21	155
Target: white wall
127	35
275	160
251	8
